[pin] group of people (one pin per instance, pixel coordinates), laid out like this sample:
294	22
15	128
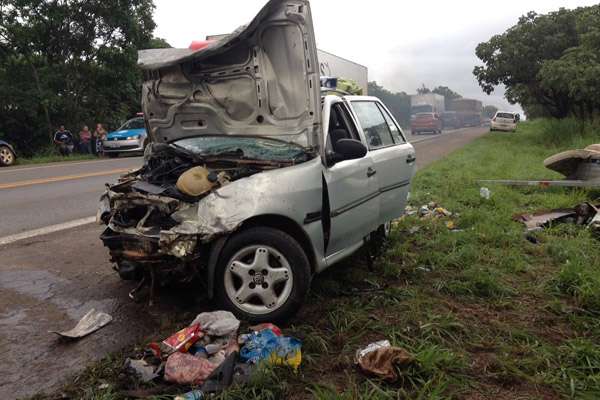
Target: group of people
86	142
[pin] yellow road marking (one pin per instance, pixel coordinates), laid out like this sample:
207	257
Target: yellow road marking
32	182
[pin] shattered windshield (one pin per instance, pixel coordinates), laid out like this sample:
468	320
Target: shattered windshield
244	147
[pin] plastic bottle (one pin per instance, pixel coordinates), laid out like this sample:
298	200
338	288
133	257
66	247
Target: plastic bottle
193	395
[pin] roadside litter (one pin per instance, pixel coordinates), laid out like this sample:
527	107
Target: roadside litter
433	210
581	168
91	322
382	360
582	214
209	354
485	193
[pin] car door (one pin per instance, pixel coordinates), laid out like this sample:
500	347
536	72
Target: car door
352	188
393	157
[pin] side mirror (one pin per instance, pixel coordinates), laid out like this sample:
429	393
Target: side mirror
347	149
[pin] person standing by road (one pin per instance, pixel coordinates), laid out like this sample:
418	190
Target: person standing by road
98	136
85	140
63	139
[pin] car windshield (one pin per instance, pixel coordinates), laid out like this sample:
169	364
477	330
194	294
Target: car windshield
244	147
137	123
505	115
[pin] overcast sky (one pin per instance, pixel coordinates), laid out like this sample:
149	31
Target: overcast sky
403	43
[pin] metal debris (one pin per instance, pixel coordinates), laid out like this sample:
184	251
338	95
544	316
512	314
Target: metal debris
91	322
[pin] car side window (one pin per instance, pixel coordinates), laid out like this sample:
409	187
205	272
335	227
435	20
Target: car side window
341	126
373	123
394	129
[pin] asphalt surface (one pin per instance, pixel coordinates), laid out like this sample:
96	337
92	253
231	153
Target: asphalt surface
48	282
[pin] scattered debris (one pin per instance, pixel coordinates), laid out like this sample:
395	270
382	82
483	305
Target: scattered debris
91	322
193	395
267	345
186	369
432	209
103	386
381	359
145	371
485	193
217	323
582	214
581	168
207	354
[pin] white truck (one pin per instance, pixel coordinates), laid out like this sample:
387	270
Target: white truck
427	103
338	67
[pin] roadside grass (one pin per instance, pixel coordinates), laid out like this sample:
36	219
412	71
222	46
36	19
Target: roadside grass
485	312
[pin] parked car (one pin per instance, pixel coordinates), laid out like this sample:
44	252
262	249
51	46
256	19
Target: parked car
8	156
254	193
504	121
450	120
426	122
131	137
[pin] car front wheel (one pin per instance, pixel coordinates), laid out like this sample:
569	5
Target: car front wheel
263	275
7	157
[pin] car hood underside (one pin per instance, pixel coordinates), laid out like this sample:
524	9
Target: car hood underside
262	80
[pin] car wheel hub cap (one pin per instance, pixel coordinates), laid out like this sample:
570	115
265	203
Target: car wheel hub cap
258	279
6	156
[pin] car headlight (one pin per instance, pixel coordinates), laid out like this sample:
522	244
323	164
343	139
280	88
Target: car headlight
133	137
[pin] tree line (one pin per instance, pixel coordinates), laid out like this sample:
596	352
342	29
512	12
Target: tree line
549	63
69	62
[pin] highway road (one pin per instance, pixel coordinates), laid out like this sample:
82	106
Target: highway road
41	198
50	276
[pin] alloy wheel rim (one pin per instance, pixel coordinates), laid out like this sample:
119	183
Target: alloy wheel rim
258	279
6	156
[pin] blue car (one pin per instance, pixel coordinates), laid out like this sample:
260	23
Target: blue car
131	137
7	154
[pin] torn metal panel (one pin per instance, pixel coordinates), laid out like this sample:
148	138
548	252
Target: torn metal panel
262	80
582	214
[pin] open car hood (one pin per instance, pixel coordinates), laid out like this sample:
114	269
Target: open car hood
262	80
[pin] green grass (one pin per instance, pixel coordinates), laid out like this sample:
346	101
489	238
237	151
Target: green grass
484	312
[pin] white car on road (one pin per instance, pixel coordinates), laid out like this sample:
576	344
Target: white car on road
504	121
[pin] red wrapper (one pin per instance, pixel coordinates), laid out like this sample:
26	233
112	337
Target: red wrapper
184	339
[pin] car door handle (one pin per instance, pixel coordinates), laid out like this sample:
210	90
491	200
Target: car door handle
371	172
411	159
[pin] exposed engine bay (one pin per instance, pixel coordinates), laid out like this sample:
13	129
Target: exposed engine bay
154	223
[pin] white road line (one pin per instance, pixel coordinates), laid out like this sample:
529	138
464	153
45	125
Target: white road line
46	230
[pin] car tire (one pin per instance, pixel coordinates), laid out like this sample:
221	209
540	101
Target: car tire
7	157
241	273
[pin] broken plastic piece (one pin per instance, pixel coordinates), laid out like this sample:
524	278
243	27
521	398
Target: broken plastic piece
91	322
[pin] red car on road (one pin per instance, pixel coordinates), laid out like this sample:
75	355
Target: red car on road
426	122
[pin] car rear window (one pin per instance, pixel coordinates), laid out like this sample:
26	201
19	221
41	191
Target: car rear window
505	115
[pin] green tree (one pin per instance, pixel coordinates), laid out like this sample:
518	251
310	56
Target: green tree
423	89
548	63
448	93
398	103
70	62
489	111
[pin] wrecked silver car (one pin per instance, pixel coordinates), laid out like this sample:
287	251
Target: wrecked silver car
254	182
